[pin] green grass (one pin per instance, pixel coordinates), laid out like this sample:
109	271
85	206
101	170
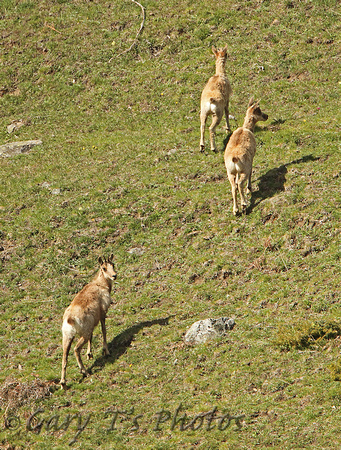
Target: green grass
121	141
307	335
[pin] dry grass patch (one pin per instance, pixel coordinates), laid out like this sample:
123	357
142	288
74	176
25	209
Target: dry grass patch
302	334
14	394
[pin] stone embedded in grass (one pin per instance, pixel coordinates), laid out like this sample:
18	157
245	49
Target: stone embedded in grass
15	125
17	148
208	329
47	185
136	251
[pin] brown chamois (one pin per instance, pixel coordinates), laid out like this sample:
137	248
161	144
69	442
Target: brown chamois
239	154
88	308
215	99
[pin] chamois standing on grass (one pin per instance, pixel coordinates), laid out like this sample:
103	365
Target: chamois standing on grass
215	99
89	307
239	154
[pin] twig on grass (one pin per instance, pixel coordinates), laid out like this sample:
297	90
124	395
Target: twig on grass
138	33
52	28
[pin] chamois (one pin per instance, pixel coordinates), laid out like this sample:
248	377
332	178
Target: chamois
239	154
215	99
89	307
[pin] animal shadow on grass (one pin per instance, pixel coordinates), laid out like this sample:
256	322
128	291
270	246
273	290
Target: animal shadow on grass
221	150
273	182
227	138
119	345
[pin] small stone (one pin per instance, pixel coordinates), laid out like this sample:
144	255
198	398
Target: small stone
207	263
15	125
136	251
55	191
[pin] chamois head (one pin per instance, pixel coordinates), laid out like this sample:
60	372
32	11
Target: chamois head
255	112
107	268
222	52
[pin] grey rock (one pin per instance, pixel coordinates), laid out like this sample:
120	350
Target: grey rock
208	329
15	125
136	251
16	148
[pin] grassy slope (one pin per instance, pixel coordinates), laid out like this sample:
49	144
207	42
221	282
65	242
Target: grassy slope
121	140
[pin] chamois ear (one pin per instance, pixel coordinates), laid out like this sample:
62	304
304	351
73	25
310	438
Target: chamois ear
255	105
111	258
225	49
214	50
100	260
251	102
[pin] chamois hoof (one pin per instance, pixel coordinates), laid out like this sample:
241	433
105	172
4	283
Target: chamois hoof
63	385
235	212
85	373
105	352
89	356
202	148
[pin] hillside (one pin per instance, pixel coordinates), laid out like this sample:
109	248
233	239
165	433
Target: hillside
120	171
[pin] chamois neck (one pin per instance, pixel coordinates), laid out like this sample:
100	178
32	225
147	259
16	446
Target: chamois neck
249	123
102	281
220	66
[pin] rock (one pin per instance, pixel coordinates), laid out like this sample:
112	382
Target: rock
15	125
16	148
55	191
208	329
136	251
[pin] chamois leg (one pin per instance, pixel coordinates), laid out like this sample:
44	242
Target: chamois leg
241	186
67	341
215	122
203	119
104	332
232	179
249	186
227	117
77	351
89	353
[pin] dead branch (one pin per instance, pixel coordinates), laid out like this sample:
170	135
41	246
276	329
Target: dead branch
139	32
52	28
